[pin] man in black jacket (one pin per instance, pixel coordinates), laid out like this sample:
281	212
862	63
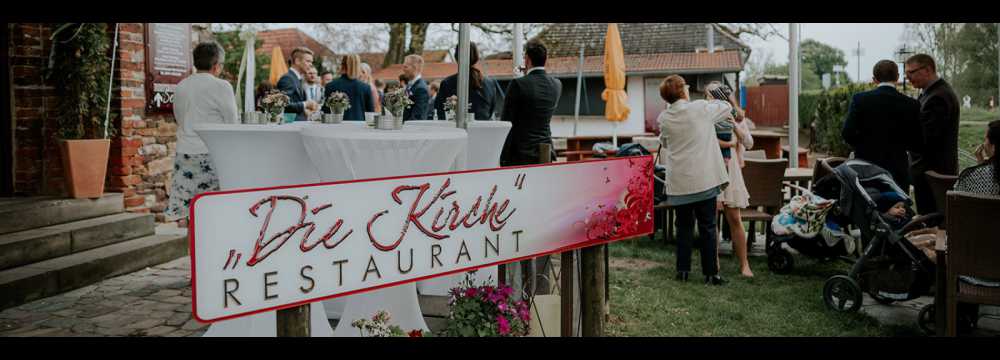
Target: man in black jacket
939	114
416	88
291	85
530	102
883	124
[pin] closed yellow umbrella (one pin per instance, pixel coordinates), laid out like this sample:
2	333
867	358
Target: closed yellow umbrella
278	66
616	109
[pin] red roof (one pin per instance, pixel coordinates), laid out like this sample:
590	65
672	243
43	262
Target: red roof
722	61
288	40
375	59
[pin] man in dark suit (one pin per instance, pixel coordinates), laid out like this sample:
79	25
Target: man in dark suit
292	85
531	100
416	88
882	125
939	114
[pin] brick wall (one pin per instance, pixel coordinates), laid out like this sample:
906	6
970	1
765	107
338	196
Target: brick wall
141	158
142	155
37	162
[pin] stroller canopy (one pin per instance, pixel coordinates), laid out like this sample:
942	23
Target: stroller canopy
856	181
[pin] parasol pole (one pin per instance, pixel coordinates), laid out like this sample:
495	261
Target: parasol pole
793	95
579	83
463	76
248	100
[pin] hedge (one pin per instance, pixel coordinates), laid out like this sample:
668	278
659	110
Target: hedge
830	113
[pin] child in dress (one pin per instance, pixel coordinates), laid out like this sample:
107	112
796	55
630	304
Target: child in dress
733	134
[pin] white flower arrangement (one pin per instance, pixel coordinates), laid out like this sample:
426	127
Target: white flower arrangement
338	102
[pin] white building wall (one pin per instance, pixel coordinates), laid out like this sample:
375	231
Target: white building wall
562	126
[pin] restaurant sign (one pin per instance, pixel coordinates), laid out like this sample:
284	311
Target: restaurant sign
258	250
168	61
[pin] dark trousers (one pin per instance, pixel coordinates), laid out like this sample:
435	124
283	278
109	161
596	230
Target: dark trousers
704	212
922	190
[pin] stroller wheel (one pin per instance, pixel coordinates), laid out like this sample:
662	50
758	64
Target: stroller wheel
925	319
842	293
780	261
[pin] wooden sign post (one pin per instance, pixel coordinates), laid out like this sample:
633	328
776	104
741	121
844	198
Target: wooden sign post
294	322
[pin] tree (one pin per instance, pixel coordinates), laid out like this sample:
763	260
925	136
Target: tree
965	54
761	31
820	58
234	47
810	80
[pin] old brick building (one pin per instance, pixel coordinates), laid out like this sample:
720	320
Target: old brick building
141	159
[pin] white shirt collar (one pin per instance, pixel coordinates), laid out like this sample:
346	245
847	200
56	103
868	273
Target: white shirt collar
887	84
411	82
296	73
533	69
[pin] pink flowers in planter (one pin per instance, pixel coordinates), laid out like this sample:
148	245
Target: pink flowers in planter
486	310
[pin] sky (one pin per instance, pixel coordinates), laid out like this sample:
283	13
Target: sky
878	41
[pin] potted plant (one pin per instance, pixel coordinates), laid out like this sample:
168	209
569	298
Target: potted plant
486	310
274	104
81	72
338	102
379	326
396	102
450	105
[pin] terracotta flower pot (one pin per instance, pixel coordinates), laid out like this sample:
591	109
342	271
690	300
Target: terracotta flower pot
85	163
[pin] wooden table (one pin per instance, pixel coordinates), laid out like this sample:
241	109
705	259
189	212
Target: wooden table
581	147
769	141
798	176
940	284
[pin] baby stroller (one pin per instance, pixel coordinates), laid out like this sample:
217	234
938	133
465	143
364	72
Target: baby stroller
804	224
890	268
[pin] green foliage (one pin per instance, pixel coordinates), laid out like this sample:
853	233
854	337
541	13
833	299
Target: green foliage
234	47
831	111
80	67
976	45
807	107
820	58
810	81
484	310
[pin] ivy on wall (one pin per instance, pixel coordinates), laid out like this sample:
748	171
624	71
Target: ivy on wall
80	68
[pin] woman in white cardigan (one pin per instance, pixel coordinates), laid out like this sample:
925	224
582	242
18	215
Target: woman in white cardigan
696	173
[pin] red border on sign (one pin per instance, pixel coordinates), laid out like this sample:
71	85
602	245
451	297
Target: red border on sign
191	227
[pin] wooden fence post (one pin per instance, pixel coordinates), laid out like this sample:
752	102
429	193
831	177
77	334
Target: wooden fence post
293	322
592	290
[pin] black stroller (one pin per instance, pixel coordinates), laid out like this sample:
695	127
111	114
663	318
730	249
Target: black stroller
890	268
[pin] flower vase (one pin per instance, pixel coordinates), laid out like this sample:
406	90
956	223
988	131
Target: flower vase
277	118
397	119
335	118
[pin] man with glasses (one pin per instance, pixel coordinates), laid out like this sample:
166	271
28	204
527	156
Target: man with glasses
939	114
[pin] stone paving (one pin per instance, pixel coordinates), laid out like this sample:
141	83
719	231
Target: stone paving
156	301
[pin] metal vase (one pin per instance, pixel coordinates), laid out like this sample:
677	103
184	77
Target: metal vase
335	118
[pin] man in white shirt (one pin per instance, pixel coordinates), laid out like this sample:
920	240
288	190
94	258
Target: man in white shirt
314	92
201	98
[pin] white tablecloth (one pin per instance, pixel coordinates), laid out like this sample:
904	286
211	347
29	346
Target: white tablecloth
249	156
347	153
486	140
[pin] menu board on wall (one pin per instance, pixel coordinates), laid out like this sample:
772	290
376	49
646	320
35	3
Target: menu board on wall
168	61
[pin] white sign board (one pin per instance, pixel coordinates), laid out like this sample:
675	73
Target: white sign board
258	250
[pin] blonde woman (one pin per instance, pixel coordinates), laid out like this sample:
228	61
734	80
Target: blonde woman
736	196
358	92
368	78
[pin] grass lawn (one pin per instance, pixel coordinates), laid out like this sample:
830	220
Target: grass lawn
969	137
647	301
979	114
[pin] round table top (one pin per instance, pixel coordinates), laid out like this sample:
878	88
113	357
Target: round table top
290	127
472	124
408	132
798	173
